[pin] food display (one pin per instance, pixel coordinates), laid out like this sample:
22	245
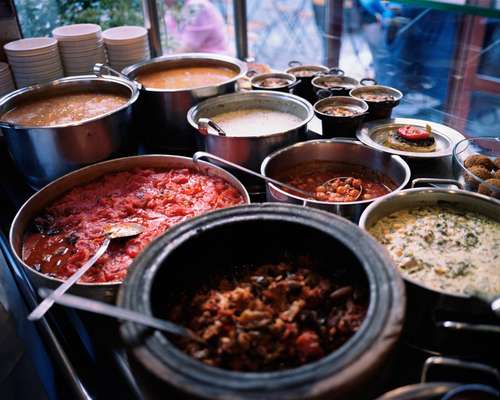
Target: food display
339	111
410	138
63	108
376	97
270	317
256	122
487	170
273	82
444	248
312	176
184	78
70	230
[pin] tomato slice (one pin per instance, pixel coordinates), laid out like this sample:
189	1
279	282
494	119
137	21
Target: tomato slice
413	133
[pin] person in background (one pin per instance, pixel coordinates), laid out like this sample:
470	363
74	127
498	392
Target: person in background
194	26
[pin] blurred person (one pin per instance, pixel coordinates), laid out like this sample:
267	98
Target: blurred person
194	26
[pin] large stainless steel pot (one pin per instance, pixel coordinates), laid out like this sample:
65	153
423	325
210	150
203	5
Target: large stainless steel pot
43	154
246	235
343	151
37	203
249	151
439	321
161	113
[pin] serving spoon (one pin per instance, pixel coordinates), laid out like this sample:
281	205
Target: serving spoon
113	231
205	123
202	154
98	307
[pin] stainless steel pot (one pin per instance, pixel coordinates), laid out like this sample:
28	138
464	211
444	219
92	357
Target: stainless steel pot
249	151
291	81
43	154
343	151
161	113
40	200
439	321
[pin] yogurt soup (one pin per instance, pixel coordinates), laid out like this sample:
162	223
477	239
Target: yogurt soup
444	248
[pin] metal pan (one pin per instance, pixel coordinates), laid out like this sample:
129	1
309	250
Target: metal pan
35	204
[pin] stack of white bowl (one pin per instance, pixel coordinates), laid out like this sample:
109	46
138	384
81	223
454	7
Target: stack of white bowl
6	80
34	60
126	45
81	47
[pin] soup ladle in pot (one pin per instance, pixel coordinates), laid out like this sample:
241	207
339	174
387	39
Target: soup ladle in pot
205	123
202	154
98	307
113	231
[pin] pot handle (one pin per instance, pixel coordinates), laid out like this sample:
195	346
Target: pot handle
292	85
203	154
99	70
294	63
368	82
251	73
336	71
323	94
431	181
465	326
8	125
452	362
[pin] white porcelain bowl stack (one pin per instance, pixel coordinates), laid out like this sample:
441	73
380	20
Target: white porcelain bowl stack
34	60
81	46
6	80
126	45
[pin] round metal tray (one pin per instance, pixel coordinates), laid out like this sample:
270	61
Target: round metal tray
446	137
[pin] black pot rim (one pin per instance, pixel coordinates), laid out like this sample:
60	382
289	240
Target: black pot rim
382	325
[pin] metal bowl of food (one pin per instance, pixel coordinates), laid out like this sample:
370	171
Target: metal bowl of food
381	100
64	219
476	165
256	123
306	73
278	81
445	243
237	254
309	164
54	128
170	86
337	83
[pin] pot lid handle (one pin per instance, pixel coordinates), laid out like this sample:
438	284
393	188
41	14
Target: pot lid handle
432	362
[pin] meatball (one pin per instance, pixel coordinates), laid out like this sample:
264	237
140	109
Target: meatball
496	175
496	161
478	159
479	171
484	189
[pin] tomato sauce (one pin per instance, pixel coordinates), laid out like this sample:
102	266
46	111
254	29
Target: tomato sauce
70	230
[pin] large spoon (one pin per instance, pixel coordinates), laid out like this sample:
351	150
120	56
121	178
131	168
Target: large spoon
202	154
113	231
98	307
205	123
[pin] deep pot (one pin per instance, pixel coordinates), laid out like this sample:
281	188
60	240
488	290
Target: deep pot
202	245
292	81
161	113
43	154
337	83
378	109
343	151
305	88
429	310
43	198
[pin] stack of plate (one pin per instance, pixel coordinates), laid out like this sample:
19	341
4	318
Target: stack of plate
126	45
81	47
34	60
6	80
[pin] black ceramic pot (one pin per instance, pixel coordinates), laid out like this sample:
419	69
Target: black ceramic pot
378	109
188	253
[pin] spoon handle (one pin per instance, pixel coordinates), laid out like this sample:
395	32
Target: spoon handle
98	307
202	154
45	305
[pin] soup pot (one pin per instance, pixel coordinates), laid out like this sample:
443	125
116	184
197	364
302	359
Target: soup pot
305	88
40	200
439	321
43	154
292	81
337	83
161	113
342	151
251	235
249	151
343	126
378	109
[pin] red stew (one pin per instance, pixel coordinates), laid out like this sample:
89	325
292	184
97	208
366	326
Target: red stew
312	176
71	229
270	317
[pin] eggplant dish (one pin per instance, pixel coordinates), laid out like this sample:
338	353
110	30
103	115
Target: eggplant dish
411	138
271	317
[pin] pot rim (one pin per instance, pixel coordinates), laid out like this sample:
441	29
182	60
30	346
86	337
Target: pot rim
392	197
68	80
284	75
332	99
270	212
312	67
67	176
254	93
398	93
394	158
341	78
133	69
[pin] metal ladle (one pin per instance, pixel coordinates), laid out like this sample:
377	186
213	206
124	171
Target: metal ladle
113	231
202	154
98	307
205	123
